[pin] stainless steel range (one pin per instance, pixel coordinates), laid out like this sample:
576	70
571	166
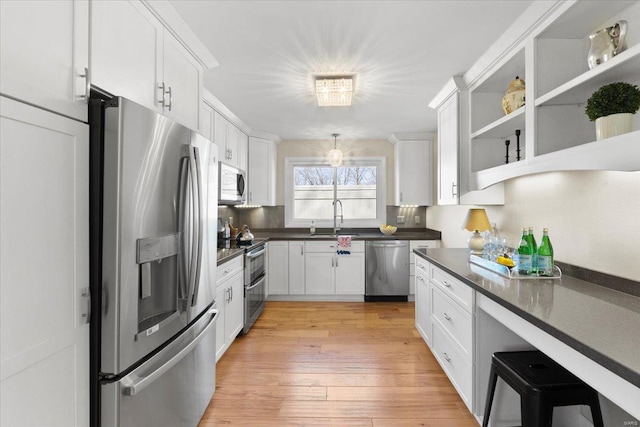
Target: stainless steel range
255	283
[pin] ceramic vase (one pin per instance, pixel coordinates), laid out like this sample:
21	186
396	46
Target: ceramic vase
613	125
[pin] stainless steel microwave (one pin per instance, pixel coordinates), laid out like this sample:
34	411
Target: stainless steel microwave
231	182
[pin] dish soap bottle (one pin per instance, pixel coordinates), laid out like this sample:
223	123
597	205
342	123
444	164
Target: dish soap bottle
312	229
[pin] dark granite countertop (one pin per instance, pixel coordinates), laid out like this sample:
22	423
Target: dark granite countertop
356	234
599	322
229	249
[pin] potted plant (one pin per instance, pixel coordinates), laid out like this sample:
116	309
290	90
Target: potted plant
612	108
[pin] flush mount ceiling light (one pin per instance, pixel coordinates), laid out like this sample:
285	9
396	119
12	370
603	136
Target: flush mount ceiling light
334	91
335	155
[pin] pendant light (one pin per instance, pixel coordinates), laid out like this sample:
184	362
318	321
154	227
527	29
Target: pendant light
335	155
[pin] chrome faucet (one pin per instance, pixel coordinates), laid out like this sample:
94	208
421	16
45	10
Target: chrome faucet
336	227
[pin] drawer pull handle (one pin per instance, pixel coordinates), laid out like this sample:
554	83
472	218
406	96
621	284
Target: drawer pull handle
420	278
446	357
448	285
228	270
446	316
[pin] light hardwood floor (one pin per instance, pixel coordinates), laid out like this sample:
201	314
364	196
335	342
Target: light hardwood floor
334	364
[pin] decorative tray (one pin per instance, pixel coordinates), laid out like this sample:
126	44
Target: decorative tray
505	271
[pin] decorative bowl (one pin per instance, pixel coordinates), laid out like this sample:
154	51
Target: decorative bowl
388	230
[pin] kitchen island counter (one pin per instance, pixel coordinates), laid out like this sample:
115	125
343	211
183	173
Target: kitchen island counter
596	321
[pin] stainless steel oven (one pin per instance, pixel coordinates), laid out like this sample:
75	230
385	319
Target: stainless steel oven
255	284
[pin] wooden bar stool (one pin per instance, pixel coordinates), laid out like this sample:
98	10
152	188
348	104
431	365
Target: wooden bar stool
542	384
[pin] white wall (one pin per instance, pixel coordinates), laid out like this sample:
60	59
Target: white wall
593	217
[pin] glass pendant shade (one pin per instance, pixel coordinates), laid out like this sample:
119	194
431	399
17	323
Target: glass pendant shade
335	155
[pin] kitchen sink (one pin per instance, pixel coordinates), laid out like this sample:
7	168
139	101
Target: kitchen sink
331	235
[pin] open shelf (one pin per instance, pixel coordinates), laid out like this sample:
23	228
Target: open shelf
623	67
503	127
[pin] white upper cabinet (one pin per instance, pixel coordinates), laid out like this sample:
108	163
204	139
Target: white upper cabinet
44	48
413	160
182	79
550	54
134	55
232	142
453	185
261	173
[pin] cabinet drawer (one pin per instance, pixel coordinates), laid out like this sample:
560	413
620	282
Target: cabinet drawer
229	268
331	246
415	244
458	291
422	265
454	319
458	369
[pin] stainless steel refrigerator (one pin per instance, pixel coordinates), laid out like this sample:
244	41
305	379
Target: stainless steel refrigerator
156	343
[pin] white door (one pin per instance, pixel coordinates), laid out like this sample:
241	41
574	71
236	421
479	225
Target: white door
183	81
278	268
126	60
44	268
296	268
448	134
423	305
261	172
350	274
319	273
44	48
414	172
235	307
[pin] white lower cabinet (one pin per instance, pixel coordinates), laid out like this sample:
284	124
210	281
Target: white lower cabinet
296	268
278	267
445	317
230	304
327	273
416	244
423	299
44	269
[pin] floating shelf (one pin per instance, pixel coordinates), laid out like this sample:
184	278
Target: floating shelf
579	89
504	126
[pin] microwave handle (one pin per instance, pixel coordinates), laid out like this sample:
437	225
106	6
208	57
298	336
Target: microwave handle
241	184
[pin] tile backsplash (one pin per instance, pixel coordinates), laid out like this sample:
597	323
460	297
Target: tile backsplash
273	216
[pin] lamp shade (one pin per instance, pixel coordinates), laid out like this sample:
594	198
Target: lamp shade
476	220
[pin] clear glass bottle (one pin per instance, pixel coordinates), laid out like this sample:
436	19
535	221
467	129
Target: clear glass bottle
534	248
227	230
312	228
525	255
545	255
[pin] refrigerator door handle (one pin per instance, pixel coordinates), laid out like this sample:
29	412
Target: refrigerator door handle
198	234
182	226
133	387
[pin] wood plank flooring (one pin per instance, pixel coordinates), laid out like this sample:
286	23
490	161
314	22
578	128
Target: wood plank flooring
334	364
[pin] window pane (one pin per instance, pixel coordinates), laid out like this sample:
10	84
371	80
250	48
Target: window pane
313	192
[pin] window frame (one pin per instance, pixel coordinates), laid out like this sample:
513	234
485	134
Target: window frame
381	191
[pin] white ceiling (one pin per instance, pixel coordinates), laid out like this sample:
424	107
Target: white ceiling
402	52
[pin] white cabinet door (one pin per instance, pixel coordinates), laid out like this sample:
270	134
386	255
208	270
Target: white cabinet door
413	171
44	48
296	268
423	306
183	81
44	269
207	118
232	144
243	150
126	59
220	137
261	172
222	294
349	272
448	135
319	273
278	268
234	311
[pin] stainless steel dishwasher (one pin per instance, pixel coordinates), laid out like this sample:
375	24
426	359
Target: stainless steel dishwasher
387	270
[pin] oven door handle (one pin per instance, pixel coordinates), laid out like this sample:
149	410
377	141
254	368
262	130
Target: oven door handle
262	279
256	254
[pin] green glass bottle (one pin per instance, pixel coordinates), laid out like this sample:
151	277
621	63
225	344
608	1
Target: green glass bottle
525	255
545	255
534	249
